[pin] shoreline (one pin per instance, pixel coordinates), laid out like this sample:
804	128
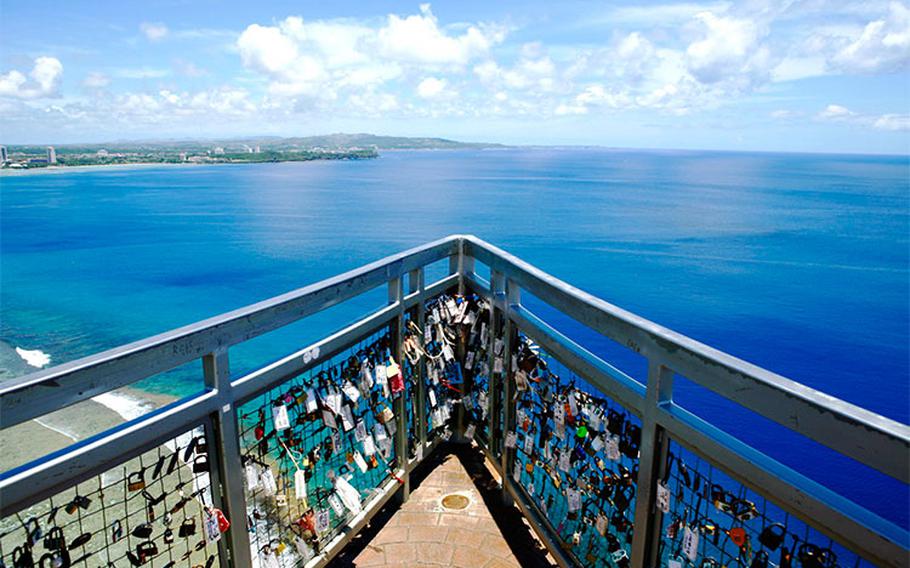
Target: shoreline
62	428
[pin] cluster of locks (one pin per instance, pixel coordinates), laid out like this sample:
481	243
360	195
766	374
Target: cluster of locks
708	526
316	447
576	457
157	511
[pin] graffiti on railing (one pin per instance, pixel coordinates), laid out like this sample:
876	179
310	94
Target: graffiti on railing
155	509
576	458
710	520
316	447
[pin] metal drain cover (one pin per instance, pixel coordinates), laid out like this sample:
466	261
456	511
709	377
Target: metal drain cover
455	502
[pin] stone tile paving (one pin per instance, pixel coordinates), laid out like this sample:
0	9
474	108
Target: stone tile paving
486	534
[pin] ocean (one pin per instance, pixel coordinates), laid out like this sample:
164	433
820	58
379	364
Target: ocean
798	263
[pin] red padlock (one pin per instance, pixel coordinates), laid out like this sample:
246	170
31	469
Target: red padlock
223	523
396	381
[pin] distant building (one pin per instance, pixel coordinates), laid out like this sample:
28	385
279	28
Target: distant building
102	153
4	156
51	155
257	149
218	151
182	156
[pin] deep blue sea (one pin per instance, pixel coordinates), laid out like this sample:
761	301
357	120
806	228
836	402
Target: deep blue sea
798	263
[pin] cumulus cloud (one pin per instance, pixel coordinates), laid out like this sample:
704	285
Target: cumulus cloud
892	122
730	49
431	87
153	31
883	45
835	112
42	81
419	38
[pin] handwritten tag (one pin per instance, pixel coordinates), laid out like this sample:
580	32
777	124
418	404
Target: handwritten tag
351	391
574	499
564	463
497	365
380	432
529	444
329	419
322	521
690	544
469	432
336	505
380	373
212	532
267	482
559	414
601	525
674	563
511	438
300	486
469	360
333	401
611	448
360	431
312	404
663	497
432	395
252	476
361	464
280	417
347	418
369	447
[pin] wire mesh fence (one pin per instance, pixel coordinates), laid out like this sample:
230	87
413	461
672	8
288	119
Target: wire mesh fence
154	510
315	448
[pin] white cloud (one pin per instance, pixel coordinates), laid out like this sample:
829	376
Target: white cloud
418	38
153	31
431	87
883	45
96	80
835	112
43	80
267	48
141	73
892	122
730	49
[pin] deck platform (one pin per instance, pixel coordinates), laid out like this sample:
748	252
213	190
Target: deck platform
422	532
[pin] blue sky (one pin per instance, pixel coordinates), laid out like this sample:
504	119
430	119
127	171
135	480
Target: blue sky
793	75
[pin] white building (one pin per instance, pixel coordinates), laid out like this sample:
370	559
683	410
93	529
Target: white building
51	155
4	156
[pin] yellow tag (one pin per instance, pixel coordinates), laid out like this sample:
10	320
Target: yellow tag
280	548
392	368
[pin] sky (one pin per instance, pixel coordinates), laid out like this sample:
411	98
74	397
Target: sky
788	75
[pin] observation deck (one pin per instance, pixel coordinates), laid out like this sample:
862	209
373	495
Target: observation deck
303	460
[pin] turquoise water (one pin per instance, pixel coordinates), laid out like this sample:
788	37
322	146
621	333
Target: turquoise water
798	263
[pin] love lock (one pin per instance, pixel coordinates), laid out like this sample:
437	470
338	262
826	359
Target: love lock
772	536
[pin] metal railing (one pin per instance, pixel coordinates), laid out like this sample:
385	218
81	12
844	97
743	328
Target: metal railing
878	442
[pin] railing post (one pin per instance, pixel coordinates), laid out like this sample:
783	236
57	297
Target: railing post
497	290
401	411
651	467
222	431
459	264
416	284
510	336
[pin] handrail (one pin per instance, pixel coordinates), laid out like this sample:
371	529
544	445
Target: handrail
41	392
855	432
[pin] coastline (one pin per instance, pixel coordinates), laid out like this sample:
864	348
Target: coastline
60	429
50	170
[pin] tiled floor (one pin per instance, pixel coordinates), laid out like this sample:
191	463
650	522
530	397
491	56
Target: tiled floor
422	532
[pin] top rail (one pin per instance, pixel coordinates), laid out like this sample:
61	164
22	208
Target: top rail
39	393
858	433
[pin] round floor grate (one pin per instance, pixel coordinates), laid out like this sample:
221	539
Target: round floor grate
455	502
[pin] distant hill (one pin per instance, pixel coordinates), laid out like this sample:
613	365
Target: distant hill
270	143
